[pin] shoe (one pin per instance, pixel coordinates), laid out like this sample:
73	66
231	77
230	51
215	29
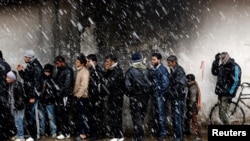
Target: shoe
29	139
117	139
197	139
19	139
60	137
13	138
67	136
53	136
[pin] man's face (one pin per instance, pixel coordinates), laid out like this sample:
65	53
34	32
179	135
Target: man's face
90	63
26	59
9	80
171	64
154	61
108	63
59	64
78	63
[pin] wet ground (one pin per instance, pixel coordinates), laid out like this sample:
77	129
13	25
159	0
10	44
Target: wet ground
149	138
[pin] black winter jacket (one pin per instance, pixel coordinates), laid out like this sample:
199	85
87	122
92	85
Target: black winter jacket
65	80
19	95
96	84
178	83
115	80
228	77
50	90
137	82
32	79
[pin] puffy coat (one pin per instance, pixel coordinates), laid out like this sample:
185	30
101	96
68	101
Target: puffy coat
136	81
228	77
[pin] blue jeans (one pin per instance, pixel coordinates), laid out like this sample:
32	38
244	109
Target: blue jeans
19	122
160	115
47	111
177	109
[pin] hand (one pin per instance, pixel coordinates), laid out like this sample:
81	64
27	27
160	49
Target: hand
217	56
32	100
19	67
107	67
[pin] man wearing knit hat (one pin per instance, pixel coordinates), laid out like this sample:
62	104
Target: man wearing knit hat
228	74
32	80
16	102
138	90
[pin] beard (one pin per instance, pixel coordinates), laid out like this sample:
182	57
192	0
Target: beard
156	64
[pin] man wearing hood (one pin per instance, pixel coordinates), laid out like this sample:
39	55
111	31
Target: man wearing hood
138	90
228	74
32	81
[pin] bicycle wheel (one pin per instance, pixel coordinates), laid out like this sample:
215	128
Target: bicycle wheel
236	115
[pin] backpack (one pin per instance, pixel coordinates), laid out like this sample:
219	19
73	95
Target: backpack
233	91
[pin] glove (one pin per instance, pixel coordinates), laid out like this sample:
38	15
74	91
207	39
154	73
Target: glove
217	56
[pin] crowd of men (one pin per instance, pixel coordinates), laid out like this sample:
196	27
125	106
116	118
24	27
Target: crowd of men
56	100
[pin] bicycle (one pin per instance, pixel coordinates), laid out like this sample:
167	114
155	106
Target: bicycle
235	113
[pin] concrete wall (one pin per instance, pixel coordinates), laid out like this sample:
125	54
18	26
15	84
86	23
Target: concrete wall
26	27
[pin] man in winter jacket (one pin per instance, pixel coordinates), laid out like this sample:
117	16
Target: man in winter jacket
138	90
160	77
65	81
115	83
47	101
80	93
228	79
97	93
16	102
177	96
32	81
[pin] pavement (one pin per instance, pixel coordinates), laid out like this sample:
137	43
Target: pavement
149	138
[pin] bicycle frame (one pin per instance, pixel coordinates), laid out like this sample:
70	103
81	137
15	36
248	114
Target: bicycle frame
242	95
237	113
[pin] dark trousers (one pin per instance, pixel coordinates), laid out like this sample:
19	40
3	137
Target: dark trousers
96	118
115	104
138	110
81	116
31	117
63	118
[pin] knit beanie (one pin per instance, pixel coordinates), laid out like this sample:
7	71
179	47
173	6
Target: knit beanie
137	57
29	53
11	75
